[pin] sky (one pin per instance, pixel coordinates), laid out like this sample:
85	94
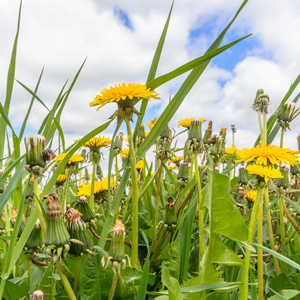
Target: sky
118	40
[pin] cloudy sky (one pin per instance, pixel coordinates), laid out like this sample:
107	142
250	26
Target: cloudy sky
119	39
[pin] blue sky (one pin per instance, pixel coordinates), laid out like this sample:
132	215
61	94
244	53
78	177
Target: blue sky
119	40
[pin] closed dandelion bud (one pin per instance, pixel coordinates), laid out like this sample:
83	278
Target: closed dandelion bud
83	206
117	247
183	175
2	226
208	133
287	114
283	182
295	170
99	172
170	214
243	176
77	231
233	129
37	295
187	152
35	145
83	153
86	175
124	155
195	132
223	133
141	135
35	239
165	134
29	200
264	102
56	232
61	180
250	197
118	143
217	146
255	105
13	221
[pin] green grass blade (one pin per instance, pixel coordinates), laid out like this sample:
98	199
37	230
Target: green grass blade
61	134
141	294
191	65
11	185
9	86
280	257
30	107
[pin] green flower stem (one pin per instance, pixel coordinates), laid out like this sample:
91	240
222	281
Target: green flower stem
260	253
282	229
93	185
113	287
270	230
260	127
65	282
200	211
135	198
265	127
116	169
65	192
243	295
77	274
28	267
37	204
158	189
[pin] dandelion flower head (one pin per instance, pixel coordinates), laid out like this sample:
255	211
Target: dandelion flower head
264	172
74	159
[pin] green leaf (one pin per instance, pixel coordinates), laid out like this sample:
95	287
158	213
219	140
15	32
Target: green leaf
13	291
171	283
222	255
280	256
281	282
47	281
171	257
225	218
285	294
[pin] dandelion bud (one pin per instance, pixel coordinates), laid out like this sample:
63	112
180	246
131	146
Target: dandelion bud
295	170
183	175
233	129
86	175
2	226
255	105
61	180
170	215
141	135
118	143
208	133
243	176
250	197
284	182
35	239
13	221
83	153
264	102
287	114
77	231
99	172
56	232
117	247
35	145
223	133
37	295
187	152
195	132
83	206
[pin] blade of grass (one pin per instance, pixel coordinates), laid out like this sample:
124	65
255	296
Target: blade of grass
9	86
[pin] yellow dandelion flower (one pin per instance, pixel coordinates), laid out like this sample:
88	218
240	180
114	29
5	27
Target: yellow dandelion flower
264	172
231	150
124	154
250	196
99	186
268	154
139	165
151	123
176	160
123	92
61	179
74	159
171	168
187	122
96	143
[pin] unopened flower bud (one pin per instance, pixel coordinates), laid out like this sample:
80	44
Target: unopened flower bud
117	247
170	214
287	114
295	170
256	103
99	172
35	145
208	133
141	135
77	231
243	176
183	175
118	143
13	221
284	182
264	102
35	239
83	206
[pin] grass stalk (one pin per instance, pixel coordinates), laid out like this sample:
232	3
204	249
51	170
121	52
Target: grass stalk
65	282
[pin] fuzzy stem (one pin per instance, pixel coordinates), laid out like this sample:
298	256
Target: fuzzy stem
245	273
134	199
113	287
270	230
260	253
93	185
200	211
38	207
65	282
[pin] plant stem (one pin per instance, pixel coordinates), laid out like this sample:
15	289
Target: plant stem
270	230
38	207
77	275
134	199
260	253
113	287
65	282
200	211
65	192
245	273
282	229
93	185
